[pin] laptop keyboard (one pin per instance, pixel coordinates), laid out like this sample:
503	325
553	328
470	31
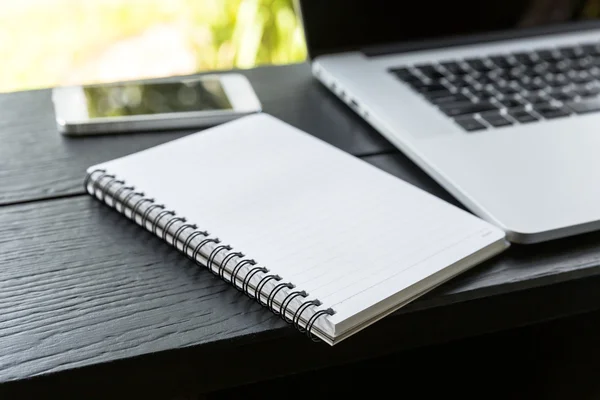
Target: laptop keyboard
509	89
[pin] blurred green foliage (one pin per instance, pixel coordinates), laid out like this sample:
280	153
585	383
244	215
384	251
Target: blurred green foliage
54	42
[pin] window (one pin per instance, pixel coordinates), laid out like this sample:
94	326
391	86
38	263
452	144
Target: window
59	42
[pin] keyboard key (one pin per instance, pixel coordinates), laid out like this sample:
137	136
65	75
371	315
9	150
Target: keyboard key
581	77
539	81
428	88
497	74
551	110
561	80
453	67
458	80
540	68
523	79
485	79
449	78
536	97
595	72
510	102
478	64
417	84
561	66
401	72
591	48
500	82
530	73
475	86
585	106
588	91
527	59
450	98
471	78
437	94
509	88
517	72
563	95
502	61
496	119
513	82
424	68
459	86
482	91
490	88
584	63
481	95
522	115
465	108
571	52
474	74
556	80
515	96
470	124
429	71
405	75
548	55
592	61
533	85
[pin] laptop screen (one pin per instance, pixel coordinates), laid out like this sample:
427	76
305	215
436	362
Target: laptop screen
341	25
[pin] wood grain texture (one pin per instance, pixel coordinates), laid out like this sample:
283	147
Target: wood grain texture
36	162
80	285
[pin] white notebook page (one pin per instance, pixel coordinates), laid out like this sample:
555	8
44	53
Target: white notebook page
346	232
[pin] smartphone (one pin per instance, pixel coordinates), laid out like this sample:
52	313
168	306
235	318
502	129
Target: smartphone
158	105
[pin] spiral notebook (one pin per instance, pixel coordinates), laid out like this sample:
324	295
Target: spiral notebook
321	238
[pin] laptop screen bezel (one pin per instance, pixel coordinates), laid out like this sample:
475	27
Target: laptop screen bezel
385	48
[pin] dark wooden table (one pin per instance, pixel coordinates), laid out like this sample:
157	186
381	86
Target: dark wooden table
91	305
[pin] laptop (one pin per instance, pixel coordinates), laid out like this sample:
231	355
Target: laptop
498	101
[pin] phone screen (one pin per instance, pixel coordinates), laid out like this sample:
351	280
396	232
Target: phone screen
128	99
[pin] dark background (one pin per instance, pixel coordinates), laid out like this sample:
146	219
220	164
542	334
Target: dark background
337	25
554	360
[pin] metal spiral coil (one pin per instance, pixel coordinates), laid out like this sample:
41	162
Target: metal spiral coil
125	199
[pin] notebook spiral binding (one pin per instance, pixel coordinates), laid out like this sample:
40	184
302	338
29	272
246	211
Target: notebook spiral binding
104	186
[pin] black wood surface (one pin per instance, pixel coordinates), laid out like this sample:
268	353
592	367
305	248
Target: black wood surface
36	162
82	286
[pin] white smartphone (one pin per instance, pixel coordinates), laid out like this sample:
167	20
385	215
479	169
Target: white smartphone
157	105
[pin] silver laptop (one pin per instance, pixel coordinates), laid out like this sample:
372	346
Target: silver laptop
498	101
